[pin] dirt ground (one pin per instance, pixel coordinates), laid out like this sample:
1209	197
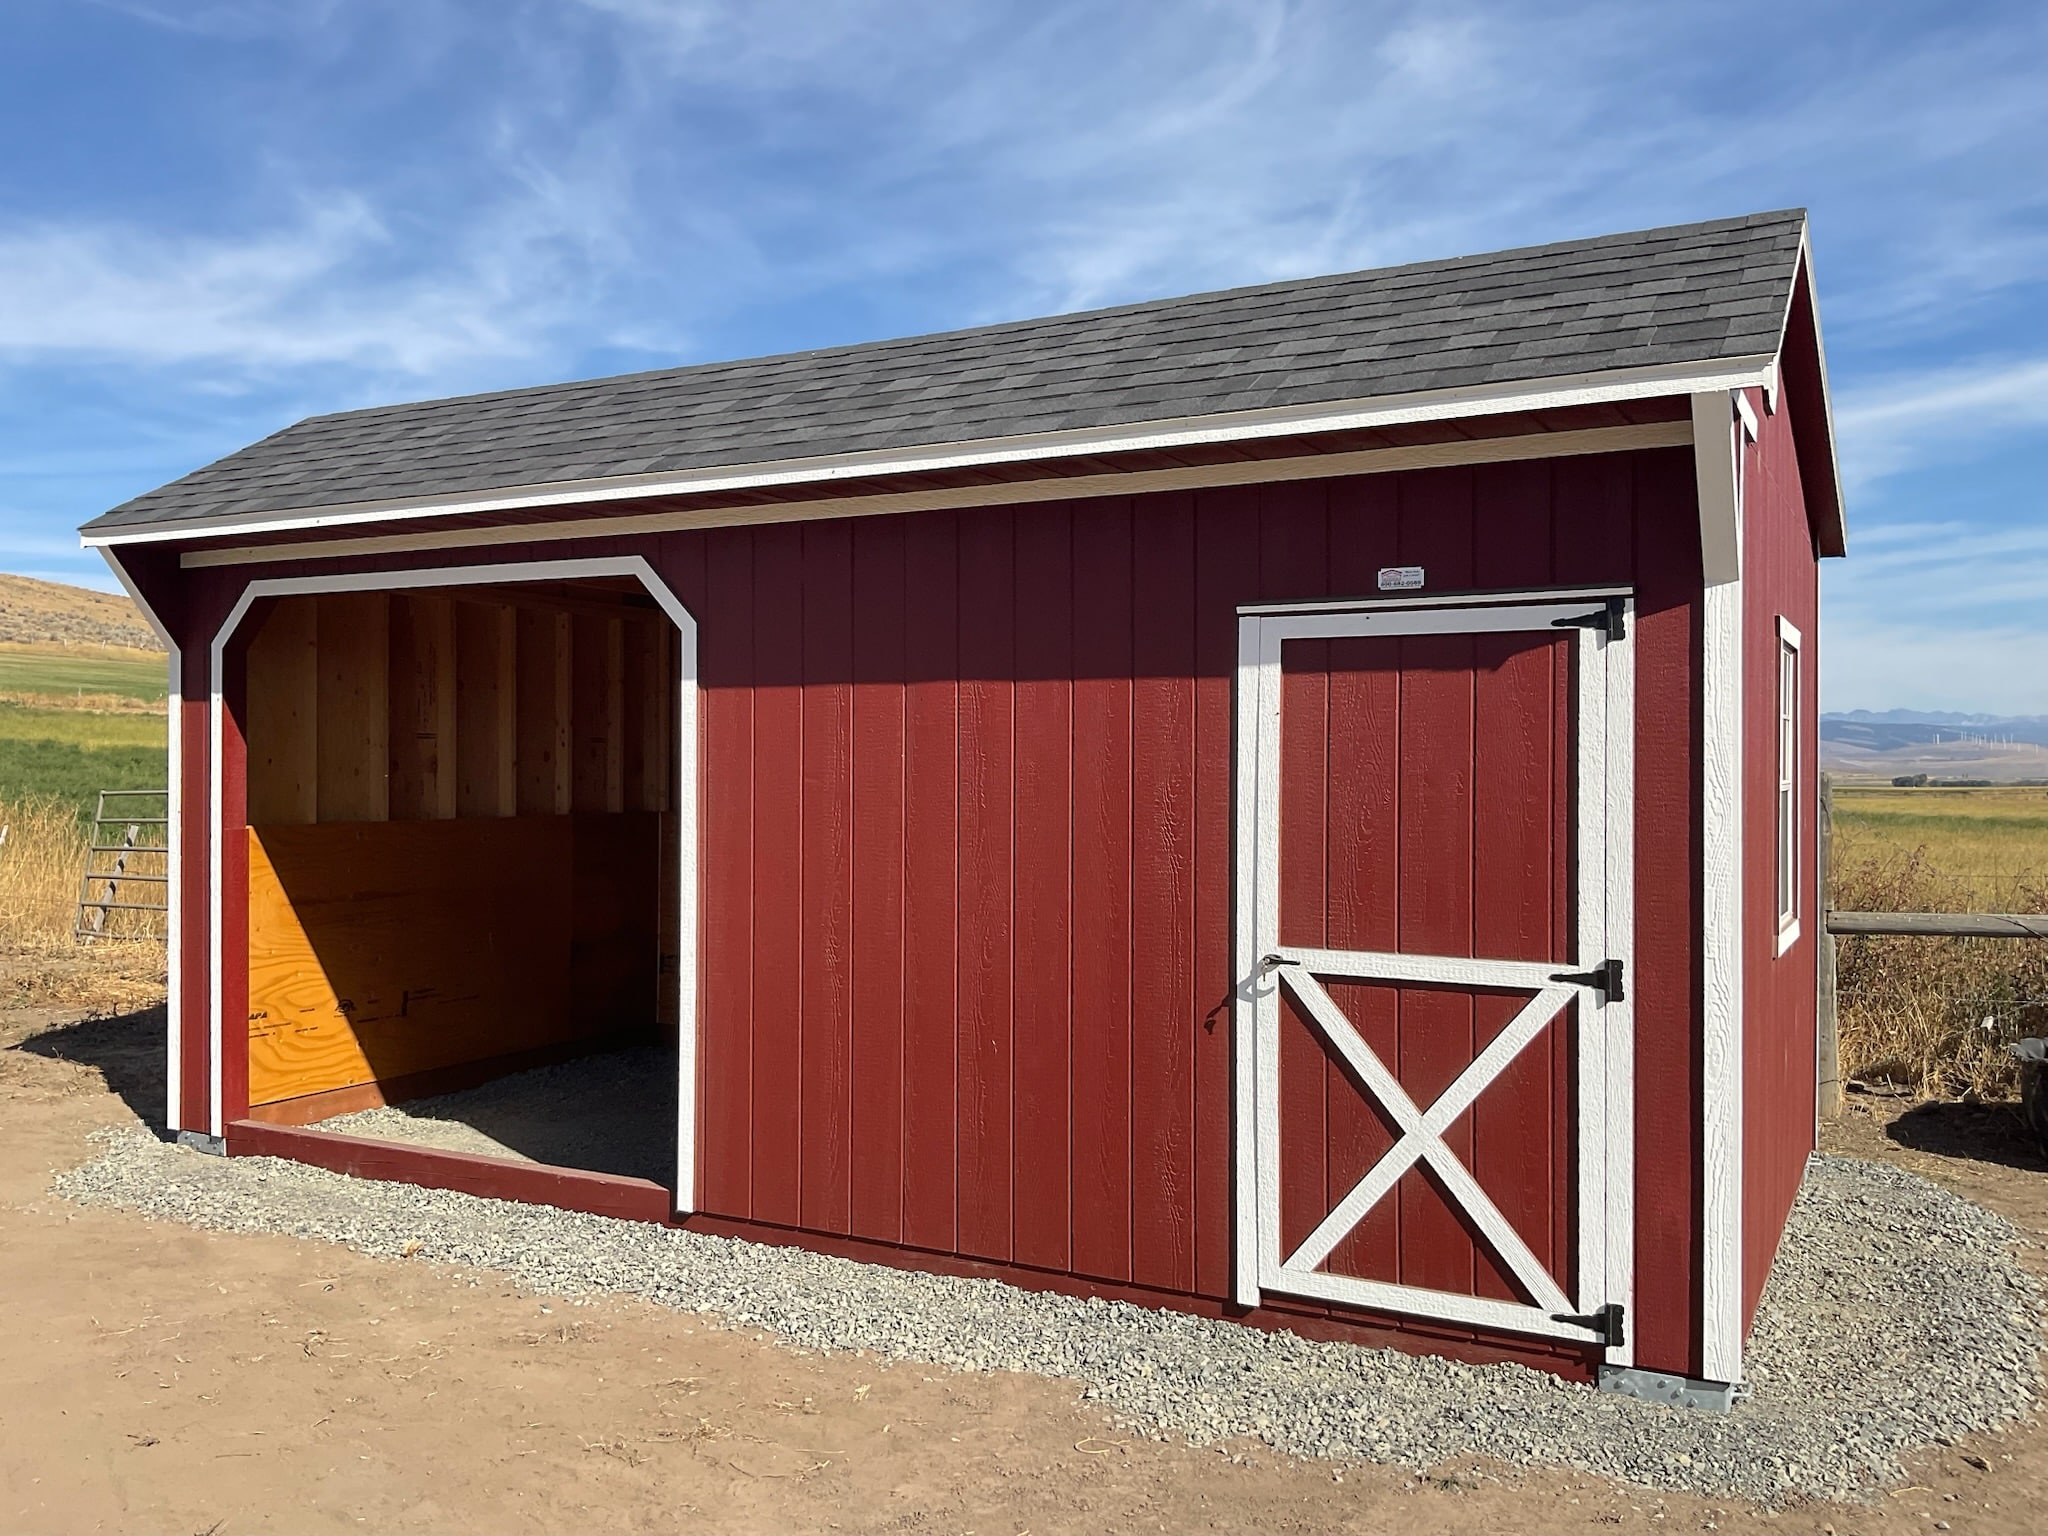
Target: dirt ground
162	1380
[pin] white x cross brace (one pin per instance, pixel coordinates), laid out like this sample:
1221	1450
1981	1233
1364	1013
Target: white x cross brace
1422	1133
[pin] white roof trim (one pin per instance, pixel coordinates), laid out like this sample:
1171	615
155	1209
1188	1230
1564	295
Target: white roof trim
1236	426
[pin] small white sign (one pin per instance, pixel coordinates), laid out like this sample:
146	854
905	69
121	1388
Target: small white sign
1400	578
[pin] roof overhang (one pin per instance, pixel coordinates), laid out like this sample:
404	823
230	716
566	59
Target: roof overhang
1803	380
1757	371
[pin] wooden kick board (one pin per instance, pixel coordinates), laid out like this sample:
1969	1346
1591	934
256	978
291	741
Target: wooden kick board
380	949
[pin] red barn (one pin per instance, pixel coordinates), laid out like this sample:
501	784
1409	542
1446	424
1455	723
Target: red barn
1290	803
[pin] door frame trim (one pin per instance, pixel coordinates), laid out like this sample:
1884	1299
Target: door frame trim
1605	756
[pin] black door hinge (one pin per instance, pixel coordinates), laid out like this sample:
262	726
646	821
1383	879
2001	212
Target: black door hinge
1610	1322
1611	620
1607	976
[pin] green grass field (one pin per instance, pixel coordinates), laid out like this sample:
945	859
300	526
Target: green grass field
72	755
56	670
1992	844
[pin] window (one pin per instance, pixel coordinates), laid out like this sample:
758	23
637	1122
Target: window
1788	786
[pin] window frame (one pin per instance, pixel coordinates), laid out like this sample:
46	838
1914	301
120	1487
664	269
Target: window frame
1788	823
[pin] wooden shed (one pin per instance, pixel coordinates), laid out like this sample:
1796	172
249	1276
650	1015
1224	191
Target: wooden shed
1290	803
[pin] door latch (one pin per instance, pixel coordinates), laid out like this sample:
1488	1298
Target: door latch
1610	1322
1612	620
1606	978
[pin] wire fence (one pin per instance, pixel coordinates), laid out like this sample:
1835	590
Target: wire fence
1932	1014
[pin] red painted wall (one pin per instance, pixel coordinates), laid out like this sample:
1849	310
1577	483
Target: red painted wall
1780	576
967	847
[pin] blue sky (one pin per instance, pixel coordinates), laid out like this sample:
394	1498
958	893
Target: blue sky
217	216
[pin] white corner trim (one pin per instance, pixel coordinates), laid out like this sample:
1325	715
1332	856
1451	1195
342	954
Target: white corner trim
1236	426
688	900
1747	412
174	835
1714	474
1461	451
1250	977
1788	632
1721	936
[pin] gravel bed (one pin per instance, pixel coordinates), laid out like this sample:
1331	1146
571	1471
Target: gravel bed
1897	1317
609	1113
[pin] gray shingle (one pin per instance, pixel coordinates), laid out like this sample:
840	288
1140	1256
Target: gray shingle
1689	294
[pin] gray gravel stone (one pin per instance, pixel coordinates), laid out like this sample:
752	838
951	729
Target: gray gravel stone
1897	1316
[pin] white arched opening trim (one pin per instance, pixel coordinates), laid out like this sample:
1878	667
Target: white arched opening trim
685	622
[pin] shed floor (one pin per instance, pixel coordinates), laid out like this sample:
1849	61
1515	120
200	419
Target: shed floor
610	1113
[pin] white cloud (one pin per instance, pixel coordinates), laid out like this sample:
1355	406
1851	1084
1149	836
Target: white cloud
225	18
331	288
1896	423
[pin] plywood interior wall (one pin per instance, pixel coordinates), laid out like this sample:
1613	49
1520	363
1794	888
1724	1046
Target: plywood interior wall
379	951
457	806
528	701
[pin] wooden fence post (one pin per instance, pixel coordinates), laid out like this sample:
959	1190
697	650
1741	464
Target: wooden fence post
1827	1035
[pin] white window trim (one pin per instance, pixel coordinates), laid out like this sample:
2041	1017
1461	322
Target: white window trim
1788	921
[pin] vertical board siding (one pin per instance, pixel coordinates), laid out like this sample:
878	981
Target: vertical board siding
1102	887
725	628
968	867
877	872
967	808
986	842
1045	863
776	1123
1164	1014
825	1049
1780	578
1667	1001
931	882
1226	533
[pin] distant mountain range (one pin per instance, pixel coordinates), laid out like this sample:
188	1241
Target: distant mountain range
1891	729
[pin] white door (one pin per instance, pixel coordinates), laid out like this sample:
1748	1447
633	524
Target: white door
1433	1045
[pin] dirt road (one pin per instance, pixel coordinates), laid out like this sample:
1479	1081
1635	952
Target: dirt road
158	1379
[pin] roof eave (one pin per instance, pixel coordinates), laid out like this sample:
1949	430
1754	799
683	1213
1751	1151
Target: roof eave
1550	393
1803	373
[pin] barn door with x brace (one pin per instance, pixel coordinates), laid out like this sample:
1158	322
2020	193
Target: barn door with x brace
1434	1091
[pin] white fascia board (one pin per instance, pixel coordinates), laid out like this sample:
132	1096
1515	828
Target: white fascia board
1237	426
1827	400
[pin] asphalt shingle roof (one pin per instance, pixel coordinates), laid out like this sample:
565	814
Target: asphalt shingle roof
1692	293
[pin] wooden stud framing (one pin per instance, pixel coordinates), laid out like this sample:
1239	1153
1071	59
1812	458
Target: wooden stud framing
354	707
486	763
543	725
283	689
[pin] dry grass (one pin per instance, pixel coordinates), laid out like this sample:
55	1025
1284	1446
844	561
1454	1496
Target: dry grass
84	703
1934	1016
41	863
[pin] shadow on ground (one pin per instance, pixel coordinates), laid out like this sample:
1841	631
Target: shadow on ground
608	1112
127	1049
1985	1133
